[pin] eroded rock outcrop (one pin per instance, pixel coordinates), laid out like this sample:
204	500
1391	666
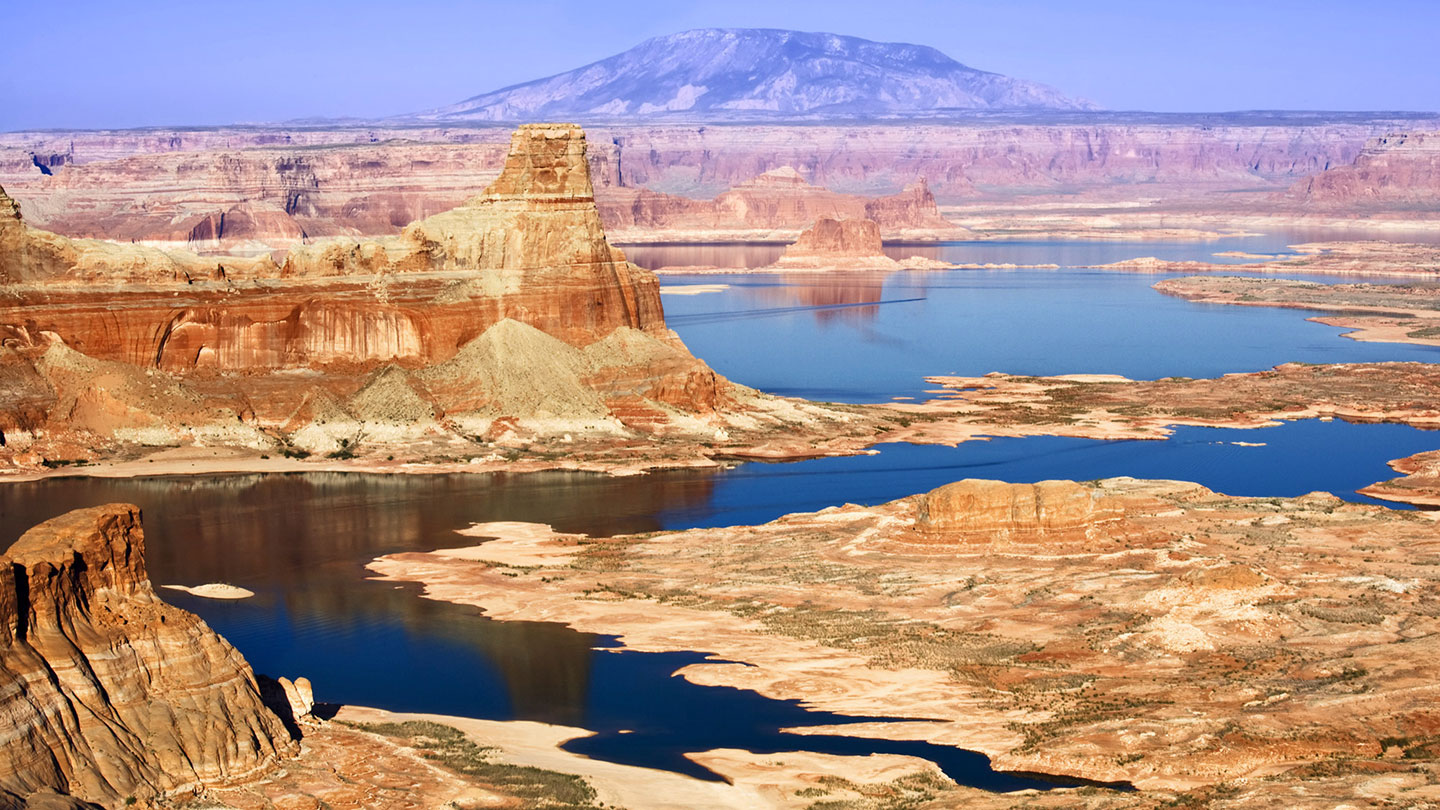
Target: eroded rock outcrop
509	315
530	248
779	200
847	243
1394	171
1002	515
108	692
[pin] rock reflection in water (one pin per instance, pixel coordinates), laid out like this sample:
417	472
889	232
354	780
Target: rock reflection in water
301	541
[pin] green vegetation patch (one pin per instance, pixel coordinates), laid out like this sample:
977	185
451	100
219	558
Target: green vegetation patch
449	747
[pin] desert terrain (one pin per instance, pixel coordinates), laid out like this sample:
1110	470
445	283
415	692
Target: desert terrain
448	293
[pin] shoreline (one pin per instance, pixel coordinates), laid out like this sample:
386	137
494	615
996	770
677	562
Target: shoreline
734	593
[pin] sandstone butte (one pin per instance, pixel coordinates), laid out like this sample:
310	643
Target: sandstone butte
506	318
838	243
1213	651
257	199
109	694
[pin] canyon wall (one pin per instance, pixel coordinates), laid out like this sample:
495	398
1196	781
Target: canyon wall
510	312
530	248
778	200
109	693
1394	171
251	188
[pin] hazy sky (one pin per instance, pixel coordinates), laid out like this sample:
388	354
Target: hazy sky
118	63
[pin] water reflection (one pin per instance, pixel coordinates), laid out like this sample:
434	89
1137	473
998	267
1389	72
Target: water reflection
713	254
301	541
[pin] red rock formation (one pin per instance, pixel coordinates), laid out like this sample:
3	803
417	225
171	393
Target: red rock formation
998	515
849	243
513	306
1395	171
373	181
107	691
778	200
531	248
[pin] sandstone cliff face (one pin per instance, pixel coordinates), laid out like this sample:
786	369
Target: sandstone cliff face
107	691
239	188
1006	516
1395	171
509	312
530	248
239	198
849	243
779	199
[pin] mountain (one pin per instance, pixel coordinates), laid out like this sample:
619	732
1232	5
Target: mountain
760	72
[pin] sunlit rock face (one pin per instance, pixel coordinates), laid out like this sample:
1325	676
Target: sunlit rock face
777	200
512	306
108	692
530	248
1395	171
845	243
1000	515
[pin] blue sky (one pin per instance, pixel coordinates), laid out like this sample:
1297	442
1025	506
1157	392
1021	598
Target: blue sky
87	63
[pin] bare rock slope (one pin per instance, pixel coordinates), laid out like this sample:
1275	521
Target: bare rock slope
509	316
107	692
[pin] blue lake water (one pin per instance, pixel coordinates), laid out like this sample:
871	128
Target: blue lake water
301	541
860	336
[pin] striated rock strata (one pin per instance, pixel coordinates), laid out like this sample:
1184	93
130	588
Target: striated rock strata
108	692
1393	171
777	200
239	187
846	243
506	318
1002	515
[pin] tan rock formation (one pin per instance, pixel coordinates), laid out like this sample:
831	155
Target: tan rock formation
511	315
107	691
999	515
530	248
842	243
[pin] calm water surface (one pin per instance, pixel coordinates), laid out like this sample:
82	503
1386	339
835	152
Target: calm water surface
301	541
858	336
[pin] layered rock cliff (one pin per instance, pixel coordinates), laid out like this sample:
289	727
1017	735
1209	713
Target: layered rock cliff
847	243
530	248
777	200
108	692
1395	171
1003	516
508	317
237	188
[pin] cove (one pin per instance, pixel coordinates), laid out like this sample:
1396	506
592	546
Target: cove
301	541
865	336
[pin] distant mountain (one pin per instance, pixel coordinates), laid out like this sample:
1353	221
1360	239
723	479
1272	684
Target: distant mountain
760	72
